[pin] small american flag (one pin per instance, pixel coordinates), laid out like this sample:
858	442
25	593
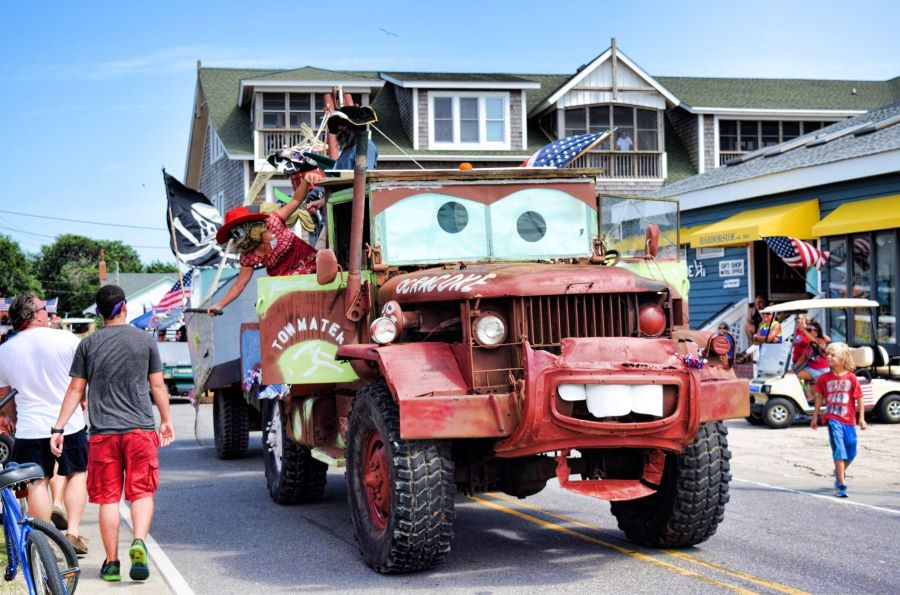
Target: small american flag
178	295
868	393
564	151
797	253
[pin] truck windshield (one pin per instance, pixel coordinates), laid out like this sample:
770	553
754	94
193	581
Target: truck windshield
530	224
625	220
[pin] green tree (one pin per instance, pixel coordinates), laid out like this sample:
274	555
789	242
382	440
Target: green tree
157	266
68	268
16	272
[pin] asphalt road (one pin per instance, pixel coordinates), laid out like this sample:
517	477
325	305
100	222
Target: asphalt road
215	521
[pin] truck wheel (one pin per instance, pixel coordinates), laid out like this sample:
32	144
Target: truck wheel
230	423
889	408
7	443
690	503
401	492
779	413
292	474
754	420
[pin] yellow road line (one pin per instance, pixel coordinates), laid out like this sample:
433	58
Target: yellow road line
686	557
618	548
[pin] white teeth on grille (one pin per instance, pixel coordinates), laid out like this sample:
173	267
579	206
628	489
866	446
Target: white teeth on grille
614	400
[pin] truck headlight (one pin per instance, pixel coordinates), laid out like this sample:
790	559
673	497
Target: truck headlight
489	329
383	330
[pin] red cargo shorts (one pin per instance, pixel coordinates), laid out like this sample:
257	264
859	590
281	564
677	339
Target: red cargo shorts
116	459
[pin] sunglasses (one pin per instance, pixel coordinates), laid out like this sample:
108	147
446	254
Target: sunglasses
237	233
44	308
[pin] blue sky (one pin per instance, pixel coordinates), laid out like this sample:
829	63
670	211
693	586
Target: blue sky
96	96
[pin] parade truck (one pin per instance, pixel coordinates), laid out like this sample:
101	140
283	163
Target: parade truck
489	330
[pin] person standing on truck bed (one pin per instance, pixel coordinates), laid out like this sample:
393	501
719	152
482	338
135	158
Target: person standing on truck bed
36	362
265	240
121	363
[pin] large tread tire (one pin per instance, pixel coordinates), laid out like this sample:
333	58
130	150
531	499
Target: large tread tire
779	413
230	423
889	408
407	524
690	503
44	570
293	476
61	549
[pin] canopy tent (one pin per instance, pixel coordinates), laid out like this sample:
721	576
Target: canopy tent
794	220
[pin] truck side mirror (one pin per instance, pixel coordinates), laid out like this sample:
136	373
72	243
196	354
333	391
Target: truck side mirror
326	266
651	243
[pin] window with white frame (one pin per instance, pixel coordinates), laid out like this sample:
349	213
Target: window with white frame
627	119
218	201
290	110
469	120
216	148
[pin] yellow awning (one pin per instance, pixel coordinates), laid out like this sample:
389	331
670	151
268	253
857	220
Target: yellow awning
862	215
793	220
685	233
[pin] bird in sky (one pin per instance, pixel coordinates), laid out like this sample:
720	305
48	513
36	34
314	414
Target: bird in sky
388	32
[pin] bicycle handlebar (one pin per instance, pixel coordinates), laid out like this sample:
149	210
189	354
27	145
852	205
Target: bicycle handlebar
9	397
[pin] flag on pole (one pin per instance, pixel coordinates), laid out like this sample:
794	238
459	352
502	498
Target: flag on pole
796	253
192	221
560	153
177	296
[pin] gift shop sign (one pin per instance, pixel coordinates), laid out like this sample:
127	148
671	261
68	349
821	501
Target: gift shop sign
731	268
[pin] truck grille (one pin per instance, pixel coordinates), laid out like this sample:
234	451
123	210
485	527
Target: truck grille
545	320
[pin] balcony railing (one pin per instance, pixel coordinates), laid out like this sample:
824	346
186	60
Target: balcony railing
618	164
728	156
274	140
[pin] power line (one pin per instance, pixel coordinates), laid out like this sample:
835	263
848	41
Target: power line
82	221
42	235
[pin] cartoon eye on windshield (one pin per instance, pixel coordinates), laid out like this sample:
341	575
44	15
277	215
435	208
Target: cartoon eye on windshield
431	227
452	217
541	223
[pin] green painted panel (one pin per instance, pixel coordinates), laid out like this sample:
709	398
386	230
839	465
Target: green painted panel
312	362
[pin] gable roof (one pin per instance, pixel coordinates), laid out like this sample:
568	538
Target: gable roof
722	181
136	283
780	94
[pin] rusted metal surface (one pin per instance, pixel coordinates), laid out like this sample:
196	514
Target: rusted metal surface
357	218
546	320
722	395
605	489
511	280
457	416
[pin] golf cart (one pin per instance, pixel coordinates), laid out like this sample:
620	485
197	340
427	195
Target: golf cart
776	394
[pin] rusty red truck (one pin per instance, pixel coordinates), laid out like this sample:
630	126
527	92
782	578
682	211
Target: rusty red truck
474	330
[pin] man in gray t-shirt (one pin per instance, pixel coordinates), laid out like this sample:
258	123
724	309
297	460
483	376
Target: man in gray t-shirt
122	366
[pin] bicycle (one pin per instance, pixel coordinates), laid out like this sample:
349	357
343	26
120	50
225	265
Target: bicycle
28	540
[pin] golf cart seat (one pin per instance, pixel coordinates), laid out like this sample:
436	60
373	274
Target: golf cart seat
888	367
863	357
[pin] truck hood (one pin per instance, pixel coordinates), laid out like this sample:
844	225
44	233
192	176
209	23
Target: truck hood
512	280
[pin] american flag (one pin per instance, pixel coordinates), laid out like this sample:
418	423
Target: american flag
564	151
178	295
797	253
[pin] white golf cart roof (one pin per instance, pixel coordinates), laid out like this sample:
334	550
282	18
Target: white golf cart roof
821	303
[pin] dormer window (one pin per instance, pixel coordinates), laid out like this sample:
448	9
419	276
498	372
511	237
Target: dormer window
639	125
468	120
290	110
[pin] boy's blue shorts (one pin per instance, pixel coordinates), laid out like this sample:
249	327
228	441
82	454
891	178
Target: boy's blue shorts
843	441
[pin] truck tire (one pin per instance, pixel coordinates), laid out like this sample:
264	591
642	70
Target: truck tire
230	423
401	492
293	476
779	413
690	503
889	408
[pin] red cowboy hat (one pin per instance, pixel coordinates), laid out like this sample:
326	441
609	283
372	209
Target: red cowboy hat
235	217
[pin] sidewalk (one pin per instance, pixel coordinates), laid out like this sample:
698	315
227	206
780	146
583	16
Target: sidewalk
90	582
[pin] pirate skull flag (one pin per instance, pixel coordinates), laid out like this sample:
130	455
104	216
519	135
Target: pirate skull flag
193	224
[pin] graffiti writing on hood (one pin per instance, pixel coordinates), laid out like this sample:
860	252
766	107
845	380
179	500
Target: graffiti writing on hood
460	282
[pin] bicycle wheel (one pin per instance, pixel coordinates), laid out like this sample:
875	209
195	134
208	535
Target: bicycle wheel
63	553
42	565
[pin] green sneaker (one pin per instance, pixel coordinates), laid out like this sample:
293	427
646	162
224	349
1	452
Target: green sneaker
140	570
110	571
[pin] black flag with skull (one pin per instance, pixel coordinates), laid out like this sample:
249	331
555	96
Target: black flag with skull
192	221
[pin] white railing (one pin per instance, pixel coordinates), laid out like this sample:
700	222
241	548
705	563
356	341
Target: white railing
735	317
618	164
271	141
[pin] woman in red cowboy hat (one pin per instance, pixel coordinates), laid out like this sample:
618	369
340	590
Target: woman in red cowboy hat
264	239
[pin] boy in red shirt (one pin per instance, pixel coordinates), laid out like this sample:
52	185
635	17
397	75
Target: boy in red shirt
843	404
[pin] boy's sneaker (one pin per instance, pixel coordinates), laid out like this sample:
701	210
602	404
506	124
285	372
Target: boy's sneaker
110	571
841	490
140	570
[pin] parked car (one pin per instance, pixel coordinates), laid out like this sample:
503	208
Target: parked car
177	370
776	394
